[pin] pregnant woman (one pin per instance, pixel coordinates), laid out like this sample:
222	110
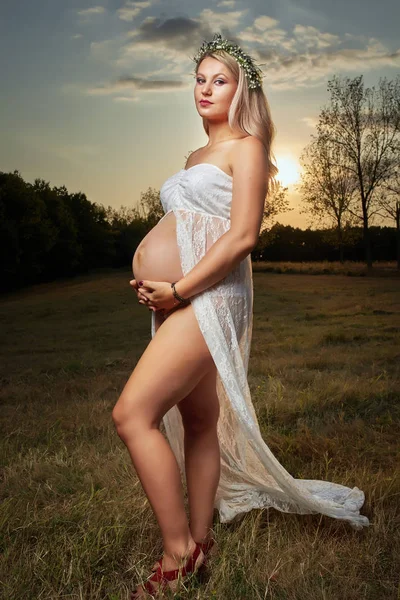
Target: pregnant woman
193	271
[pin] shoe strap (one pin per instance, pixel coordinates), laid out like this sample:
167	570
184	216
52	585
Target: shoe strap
189	567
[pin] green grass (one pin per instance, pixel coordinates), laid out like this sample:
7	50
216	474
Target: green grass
324	375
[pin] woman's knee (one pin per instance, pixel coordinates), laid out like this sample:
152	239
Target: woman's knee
162	378
119	417
128	421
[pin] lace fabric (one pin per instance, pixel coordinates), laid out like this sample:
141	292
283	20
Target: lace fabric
251	476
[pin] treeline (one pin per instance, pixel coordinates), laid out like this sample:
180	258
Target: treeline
287	243
48	233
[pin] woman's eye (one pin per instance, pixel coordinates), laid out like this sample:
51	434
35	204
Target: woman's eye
200	80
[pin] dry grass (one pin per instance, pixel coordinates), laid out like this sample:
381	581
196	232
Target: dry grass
324	373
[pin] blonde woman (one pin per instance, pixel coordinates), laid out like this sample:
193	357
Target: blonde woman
193	271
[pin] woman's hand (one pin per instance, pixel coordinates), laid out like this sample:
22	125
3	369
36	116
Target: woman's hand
142	299
157	294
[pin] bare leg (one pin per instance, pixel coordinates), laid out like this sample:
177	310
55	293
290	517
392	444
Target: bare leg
174	362
200	412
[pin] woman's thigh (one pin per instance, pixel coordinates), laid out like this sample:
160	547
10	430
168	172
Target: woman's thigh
172	365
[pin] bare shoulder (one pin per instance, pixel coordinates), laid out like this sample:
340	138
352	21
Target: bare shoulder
248	148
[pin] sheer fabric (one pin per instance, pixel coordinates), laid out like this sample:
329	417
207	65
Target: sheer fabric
251	476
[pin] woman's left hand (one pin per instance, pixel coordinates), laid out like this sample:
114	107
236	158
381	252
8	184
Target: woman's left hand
158	293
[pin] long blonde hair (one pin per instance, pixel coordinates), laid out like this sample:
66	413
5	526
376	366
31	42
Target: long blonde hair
249	112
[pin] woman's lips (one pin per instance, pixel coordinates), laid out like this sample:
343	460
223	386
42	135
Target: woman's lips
205	102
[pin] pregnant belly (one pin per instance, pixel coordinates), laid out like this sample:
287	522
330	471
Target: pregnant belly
157	256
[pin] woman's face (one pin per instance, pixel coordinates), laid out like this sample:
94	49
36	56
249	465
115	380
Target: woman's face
215	83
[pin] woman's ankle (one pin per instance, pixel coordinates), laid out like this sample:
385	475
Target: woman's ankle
177	552
202	536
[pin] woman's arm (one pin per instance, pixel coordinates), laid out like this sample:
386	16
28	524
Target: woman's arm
249	167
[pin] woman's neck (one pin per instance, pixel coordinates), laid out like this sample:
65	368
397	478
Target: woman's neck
220	132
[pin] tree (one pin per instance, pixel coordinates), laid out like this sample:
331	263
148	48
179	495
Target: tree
65	255
327	186
276	202
365	124
128	229
388	200
26	232
94	231
150	208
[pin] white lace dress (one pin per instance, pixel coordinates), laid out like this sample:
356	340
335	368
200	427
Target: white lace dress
251	476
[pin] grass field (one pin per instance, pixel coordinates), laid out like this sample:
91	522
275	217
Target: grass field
324	374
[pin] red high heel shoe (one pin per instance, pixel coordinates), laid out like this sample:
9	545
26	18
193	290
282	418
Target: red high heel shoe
173	580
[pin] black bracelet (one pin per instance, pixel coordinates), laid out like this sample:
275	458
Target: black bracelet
176	295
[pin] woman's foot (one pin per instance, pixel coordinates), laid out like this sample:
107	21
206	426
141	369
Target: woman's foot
170	574
209	547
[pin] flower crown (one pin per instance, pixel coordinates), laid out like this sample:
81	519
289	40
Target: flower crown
253	73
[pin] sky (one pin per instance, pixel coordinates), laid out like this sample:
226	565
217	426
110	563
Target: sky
98	95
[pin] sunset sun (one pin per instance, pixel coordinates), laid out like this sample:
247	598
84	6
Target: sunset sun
289	170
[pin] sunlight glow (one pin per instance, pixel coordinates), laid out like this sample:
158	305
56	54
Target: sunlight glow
289	170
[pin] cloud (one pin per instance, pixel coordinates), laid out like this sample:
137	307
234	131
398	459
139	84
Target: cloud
167	43
228	19
105	50
126	99
309	68
307	56
266	32
154	40
312	38
304	56
87	13
310	121
262	23
226	3
131	83
175	40
132	9
267	35
177	32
